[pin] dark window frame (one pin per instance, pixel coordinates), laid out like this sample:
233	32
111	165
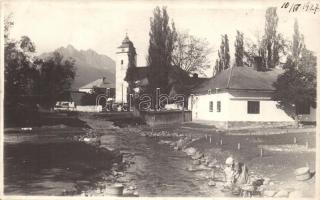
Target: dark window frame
253	107
210	106
218	106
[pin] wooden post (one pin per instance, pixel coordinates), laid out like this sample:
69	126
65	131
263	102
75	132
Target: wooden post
261	152
294	140
238	146
210	139
221	143
206	136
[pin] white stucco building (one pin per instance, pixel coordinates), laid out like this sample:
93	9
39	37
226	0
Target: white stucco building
242	96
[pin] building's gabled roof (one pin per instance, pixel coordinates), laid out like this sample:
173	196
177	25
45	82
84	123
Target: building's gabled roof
99	83
240	78
179	76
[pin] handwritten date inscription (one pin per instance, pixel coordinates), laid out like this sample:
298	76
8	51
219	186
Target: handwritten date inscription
306	7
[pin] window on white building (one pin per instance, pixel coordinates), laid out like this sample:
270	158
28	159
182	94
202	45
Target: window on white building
210	106
121	62
218	106
253	107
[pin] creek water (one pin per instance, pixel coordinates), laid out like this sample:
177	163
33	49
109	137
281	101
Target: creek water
50	168
158	169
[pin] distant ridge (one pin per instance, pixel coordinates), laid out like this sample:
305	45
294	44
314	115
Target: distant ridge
89	64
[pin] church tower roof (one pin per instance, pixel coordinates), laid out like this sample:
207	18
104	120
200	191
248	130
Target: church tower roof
126	42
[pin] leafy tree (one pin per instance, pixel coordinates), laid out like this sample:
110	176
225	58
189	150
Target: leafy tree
19	69
56	76
29	80
161	45
191	54
239	49
297	85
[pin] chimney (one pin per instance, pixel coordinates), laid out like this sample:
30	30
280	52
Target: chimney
258	65
103	79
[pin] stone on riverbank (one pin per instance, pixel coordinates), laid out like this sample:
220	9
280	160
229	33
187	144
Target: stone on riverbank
190	151
191	168
212	164
282	193
266	180
296	194
197	155
269	193
164	142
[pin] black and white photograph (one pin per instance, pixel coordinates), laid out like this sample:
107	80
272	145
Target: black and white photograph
160	98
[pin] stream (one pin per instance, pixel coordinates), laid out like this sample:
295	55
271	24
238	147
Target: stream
158	169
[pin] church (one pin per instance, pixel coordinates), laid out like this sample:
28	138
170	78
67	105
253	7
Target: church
127	57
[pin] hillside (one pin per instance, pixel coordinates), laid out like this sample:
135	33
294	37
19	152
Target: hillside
89	65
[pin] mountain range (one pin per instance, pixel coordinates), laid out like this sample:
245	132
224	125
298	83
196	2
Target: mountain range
90	65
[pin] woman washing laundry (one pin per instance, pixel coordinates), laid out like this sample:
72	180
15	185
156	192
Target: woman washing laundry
236	175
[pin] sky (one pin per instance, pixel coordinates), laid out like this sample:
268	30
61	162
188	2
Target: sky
102	25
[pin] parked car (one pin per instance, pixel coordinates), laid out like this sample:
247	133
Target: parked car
64	106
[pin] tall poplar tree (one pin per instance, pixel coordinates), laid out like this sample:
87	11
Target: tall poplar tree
226	52
161	45
270	38
223	55
297	43
239	49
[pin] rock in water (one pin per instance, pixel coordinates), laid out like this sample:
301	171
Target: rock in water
191	168
180	143
211	164
135	193
196	162
190	151
197	156
127	193
212	183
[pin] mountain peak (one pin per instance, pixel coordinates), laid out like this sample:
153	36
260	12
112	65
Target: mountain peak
89	65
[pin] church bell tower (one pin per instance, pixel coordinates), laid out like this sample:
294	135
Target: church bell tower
125	51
